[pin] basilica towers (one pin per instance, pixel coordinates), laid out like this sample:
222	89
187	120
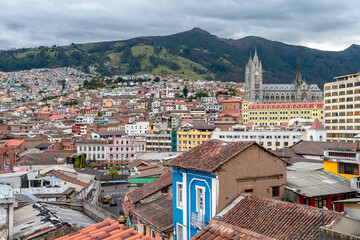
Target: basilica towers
254	80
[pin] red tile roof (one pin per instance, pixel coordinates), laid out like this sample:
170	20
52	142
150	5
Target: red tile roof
278	219
106	230
67	178
317	125
13	142
222	231
294	105
148	189
210	155
158	213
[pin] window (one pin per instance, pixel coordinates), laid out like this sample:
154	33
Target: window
320	202
200	200
179	195
180	232
144	230
153	233
348	168
275	191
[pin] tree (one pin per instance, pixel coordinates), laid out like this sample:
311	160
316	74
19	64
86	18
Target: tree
113	172
185	91
177	95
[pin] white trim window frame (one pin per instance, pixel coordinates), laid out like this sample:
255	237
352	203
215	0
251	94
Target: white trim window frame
179	195
153	233
179	231
200	199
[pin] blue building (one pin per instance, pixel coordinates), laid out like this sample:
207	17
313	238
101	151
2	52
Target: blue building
210	176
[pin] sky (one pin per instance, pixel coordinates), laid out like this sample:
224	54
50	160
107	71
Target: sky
326	25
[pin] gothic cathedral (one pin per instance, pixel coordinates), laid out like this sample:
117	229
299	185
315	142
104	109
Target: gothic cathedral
257	92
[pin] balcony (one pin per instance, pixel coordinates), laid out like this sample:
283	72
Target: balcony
197	220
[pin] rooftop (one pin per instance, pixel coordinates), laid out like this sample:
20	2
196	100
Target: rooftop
106	230
317	183
276	219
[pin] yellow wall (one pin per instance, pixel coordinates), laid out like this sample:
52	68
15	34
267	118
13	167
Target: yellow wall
333	167
278	116
192	138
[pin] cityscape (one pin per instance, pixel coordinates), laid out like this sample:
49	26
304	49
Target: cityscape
189	136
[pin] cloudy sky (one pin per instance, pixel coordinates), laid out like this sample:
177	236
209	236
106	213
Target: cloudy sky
327	25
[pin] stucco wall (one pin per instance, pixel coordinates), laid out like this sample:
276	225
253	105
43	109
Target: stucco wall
328	234
255	169
3	223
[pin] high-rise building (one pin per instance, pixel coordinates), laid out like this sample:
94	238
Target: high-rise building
342	108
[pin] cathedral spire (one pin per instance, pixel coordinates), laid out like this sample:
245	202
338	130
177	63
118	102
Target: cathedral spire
255	55
298	78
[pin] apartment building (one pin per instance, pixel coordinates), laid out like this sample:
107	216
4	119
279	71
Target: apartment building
191	136
274	114
158	142
342	108
271	140
138	128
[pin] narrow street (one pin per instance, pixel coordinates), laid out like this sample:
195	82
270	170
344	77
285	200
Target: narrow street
117	192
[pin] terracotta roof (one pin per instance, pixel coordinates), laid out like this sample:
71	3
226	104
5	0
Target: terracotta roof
137	163
208	156
67	178
158	213
291	156
317	125
317	148
222	231
278	219
148	189
106	230
13	142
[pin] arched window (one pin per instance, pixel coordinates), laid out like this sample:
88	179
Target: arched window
320	138
311	138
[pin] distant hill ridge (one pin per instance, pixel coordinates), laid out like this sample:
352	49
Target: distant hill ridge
195	54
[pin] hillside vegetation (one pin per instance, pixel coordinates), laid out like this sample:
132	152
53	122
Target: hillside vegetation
194	54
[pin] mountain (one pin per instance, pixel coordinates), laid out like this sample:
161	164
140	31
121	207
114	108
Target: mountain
195	54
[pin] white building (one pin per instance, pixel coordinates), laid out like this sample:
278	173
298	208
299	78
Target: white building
85	119
316	132
270	140
138	128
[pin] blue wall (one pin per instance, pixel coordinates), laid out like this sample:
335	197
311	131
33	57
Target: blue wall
193	179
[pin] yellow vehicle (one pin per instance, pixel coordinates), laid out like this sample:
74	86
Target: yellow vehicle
122	219
106	199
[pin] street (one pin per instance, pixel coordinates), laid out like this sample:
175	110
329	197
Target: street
117	193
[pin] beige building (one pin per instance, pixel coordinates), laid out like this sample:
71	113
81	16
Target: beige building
342	108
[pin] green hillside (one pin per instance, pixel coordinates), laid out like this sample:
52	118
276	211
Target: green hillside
194	54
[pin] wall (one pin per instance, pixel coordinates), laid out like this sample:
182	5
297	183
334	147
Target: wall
3	223
347	225
97	213
333	167
328	234
254	168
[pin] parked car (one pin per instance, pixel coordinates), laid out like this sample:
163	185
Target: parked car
122	219
113	202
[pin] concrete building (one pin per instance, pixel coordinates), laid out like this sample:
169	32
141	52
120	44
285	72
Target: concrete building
275	114
270	140
7	202
342	108
138	128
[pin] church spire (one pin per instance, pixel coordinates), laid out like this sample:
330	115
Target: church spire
255	55
298	78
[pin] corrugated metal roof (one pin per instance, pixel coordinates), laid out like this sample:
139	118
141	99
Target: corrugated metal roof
317	183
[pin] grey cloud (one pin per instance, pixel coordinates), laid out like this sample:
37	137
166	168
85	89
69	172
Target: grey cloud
27	23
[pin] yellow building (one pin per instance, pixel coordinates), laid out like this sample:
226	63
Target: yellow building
343	163
189	138
277	113
245	106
